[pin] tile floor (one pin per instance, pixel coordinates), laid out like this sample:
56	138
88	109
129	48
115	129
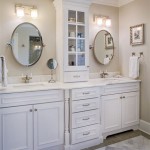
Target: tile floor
131	140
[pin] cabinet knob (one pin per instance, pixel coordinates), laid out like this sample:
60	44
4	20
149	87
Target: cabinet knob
86	118
86	105
86	133
88	66
86	93
123	97
35	109
30	110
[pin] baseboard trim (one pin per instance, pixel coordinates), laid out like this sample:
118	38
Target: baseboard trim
144	126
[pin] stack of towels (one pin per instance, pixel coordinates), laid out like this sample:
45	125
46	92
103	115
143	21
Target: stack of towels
134	67
3	71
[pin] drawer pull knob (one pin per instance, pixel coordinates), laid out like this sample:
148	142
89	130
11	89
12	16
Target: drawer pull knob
30	110
123	97
86	93
86	133
76	76
86	105
35	109
86	118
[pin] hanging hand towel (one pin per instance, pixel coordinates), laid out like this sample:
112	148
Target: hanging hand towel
134	67
3	70
106	60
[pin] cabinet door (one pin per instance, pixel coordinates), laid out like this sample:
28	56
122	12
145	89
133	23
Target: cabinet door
16	124
76	39
111	112
48	125
130	109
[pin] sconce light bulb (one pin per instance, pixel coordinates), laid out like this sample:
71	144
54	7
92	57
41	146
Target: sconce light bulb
34	13
108	22
99	21
20	12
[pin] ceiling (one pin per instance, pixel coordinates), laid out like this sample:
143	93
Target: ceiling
116	3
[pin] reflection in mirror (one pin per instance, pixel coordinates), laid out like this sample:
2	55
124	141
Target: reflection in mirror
103	47
52	65
27	45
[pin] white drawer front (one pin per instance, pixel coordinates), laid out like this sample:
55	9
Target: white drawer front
85	133
83	105
120	88
13	99
85	93
76	76
85	118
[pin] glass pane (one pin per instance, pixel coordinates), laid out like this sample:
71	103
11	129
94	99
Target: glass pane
71	16
81	59
71	31
81	45
71	45
81	32
80	18
72	60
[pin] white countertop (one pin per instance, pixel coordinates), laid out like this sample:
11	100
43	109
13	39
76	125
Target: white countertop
27	87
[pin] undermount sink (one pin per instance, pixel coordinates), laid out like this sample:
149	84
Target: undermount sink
23	85
110	80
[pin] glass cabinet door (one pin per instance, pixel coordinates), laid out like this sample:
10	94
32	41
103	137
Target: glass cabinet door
76	38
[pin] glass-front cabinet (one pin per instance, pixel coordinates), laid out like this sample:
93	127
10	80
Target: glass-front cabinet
77	49
76	38
72	30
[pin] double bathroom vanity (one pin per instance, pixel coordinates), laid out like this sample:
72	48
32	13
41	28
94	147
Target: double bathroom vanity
57	116
75	112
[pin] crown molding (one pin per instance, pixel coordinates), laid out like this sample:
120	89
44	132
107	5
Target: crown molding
115	3
124	2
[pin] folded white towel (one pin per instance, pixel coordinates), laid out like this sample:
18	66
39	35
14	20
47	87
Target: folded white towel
106	60
4	70
134	67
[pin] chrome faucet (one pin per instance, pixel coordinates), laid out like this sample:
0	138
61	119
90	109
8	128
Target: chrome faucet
103	74
27	78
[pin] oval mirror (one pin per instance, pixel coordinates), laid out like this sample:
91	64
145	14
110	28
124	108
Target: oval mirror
103	47
52	64
27	44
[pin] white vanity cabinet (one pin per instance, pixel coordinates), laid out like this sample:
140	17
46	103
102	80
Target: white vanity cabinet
120	108
33	127
72	39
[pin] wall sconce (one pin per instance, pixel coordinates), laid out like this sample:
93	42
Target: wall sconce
103	21
23	10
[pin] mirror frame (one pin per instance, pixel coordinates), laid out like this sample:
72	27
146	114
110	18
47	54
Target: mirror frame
55	61
94	47
42	45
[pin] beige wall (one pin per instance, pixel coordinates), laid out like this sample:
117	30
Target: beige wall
45	23
113	13
132	14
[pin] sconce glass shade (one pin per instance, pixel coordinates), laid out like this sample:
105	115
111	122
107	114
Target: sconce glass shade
99	21
20	12
108	23
34	13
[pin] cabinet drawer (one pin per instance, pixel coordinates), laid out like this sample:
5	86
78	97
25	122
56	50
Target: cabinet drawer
83	105
85	133
13	99
85	93
120	88
76	76
85	118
